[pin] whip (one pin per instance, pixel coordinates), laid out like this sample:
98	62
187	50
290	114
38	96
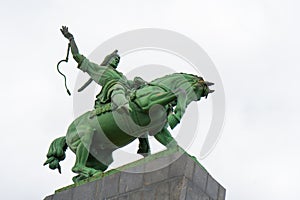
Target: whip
65	60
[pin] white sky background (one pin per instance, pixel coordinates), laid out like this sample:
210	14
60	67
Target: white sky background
254	45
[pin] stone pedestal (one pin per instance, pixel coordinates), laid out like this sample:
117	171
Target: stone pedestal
170	174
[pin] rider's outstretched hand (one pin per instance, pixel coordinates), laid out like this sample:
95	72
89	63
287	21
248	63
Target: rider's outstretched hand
64	30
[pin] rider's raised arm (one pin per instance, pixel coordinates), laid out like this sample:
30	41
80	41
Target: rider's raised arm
93	69
75	52
74	49
96	72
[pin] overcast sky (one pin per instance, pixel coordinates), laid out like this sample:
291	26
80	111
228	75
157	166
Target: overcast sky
253	43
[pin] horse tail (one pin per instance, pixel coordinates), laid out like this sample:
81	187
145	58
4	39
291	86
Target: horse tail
56	153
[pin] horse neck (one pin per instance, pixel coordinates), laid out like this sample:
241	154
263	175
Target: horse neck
172	81
177	82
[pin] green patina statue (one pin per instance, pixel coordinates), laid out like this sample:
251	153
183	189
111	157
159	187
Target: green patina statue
124	111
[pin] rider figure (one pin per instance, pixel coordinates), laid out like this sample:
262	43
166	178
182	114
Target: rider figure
114	84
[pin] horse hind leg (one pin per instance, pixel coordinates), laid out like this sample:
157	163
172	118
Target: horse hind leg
92	163
144	147
95	163
82	154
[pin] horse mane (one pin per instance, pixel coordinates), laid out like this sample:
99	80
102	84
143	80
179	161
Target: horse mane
188	82
157	80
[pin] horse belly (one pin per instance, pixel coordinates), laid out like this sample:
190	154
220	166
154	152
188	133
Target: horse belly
88	131
112	127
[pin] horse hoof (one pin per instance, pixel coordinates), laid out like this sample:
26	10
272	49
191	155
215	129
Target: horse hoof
98	173
144	153
78	178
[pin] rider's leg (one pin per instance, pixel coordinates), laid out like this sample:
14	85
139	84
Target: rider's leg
118	97
165	138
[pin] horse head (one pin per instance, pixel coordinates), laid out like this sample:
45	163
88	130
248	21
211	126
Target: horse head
199	87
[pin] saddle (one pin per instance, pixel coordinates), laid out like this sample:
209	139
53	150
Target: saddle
101	109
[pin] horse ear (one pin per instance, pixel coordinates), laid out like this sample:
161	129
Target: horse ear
209	83
210	91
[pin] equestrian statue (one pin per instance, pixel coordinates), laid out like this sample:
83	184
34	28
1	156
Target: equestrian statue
124	110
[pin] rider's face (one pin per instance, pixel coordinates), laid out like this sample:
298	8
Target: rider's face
114	62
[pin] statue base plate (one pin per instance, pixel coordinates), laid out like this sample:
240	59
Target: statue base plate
170	174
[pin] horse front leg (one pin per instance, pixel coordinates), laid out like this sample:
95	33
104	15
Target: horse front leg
165	138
